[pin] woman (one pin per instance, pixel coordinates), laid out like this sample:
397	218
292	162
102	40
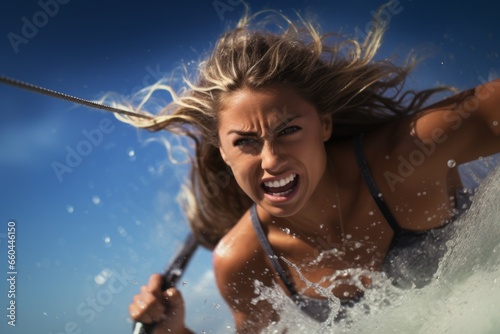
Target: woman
311	160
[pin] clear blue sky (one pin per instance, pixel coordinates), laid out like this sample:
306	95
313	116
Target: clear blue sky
89	237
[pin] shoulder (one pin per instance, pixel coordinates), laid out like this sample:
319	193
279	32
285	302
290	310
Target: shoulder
237	246
239	261
464	126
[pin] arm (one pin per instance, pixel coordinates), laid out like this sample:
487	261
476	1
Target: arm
466	125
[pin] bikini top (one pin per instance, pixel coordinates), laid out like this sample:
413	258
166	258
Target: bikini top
411	261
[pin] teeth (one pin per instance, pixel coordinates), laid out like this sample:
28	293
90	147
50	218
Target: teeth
280	183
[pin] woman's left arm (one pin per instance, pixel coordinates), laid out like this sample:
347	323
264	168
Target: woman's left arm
488	104
466	126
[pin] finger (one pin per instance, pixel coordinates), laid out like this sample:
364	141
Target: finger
149	303
144	299
138	314
155	284
147	308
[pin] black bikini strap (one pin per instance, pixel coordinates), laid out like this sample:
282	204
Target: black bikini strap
367	176
267	248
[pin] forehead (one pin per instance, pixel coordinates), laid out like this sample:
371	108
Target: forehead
272	104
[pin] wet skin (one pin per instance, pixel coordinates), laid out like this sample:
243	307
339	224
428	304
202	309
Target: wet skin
273	133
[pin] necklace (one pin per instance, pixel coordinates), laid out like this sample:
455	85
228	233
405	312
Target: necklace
337	195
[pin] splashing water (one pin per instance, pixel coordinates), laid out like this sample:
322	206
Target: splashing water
463	297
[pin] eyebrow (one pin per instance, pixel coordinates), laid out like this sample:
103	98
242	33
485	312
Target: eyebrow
276	129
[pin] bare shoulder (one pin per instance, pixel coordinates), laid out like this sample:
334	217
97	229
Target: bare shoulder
239	245
239	261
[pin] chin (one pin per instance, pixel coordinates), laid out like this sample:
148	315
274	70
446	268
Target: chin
281	211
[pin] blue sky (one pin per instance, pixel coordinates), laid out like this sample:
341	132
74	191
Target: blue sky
87	239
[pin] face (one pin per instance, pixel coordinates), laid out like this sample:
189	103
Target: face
273	140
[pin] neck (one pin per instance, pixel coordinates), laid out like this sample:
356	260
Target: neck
321	215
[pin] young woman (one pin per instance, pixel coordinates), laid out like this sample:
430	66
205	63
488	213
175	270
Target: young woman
322	163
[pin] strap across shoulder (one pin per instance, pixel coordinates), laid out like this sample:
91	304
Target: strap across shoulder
268	249
372	186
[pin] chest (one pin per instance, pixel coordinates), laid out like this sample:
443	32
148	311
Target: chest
344	256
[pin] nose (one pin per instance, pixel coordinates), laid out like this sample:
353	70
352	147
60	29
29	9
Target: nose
271	159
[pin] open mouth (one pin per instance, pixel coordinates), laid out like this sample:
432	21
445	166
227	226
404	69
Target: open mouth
282	187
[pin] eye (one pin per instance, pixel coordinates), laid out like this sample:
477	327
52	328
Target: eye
289	130
244	141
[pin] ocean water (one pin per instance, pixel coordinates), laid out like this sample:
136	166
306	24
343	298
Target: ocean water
463	297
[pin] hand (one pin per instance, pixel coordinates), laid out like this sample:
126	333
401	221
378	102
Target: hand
163	308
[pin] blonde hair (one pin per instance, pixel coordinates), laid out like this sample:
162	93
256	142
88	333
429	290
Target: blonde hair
338	75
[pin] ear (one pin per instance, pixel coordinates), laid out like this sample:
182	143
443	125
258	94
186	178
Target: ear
326	120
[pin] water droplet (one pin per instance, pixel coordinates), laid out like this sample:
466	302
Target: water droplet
495	123
45	314
100	280
107	240
348	236
177	272
321	226
451	163
286	230
70	209
122	231
370	213
103	276
96	200
184	283
131	154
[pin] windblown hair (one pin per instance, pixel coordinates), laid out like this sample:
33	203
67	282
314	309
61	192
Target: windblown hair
338	75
